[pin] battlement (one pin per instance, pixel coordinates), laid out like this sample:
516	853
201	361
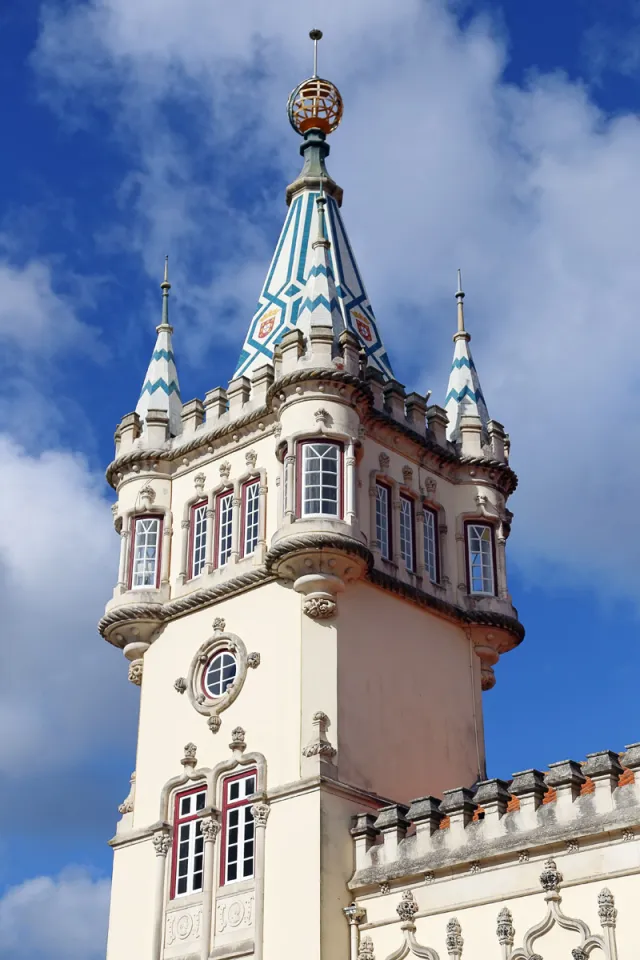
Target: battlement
535	812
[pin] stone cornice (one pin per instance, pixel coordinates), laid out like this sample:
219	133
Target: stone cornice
317	541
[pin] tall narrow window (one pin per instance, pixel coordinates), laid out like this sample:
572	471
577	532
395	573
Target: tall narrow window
198	537
321	487
224	528
145	554
188	843
407	551
480	558
431	553
250	516
238	841
383	520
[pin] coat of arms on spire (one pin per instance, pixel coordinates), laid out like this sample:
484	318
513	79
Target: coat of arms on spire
315	110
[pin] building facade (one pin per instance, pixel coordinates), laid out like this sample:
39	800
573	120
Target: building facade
312	596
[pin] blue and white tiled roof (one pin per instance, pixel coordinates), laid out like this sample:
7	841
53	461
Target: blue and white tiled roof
161	390
464	393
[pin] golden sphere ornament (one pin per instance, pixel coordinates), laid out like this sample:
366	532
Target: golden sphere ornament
315	104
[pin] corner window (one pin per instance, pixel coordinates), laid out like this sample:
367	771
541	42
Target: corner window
145	553
431	553
198	537
320	486
219	674
188	843
480	558
407	549
250	517
238	840
383	520
224	528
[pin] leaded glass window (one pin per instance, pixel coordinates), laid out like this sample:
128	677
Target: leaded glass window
321	479
146	549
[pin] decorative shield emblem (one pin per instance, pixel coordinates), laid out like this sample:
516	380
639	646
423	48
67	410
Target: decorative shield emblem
266	326
364	327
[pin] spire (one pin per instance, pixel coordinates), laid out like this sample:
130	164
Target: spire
464	394
315	109
161	390
319	297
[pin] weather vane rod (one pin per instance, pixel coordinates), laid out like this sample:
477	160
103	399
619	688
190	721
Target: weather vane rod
315	36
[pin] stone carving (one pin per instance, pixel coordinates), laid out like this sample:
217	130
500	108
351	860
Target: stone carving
627	834
147	496
606	908
475	866
319	608
354	913
323	417
384	462
407	908
365	950
578	954
454	940
430	487
237	739
183	926
385	888
199	482
210	827
180	685
251	458
407	475
225	469
429	877
319	745
161	842
135	672
523	856
214	723
550	878
253	660
189	759
277	430
572	846
260	813
506	930
127	804
234	913
219	625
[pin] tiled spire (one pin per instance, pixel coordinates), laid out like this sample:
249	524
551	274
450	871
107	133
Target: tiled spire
319	297
464	394
161	390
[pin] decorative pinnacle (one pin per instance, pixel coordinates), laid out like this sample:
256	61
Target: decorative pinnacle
322	239
315	36
460	299
165	286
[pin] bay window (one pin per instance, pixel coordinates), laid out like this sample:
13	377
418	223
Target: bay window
480	558
431	552
238	829
319	479
198	548
407	545
250	517
144	570
383	520
188	843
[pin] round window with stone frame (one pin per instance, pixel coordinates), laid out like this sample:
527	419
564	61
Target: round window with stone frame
217	673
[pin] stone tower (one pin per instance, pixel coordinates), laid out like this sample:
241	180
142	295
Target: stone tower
312	596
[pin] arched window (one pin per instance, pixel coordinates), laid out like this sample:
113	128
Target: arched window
144	570
320	479
237	861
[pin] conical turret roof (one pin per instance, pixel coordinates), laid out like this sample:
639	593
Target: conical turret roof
464	393
161	390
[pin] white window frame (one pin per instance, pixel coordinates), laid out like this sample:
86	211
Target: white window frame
198	538
310	448
383	520
188	847
480	559
225	667
224	528
407	535
140	541
239	847
431	554
250	517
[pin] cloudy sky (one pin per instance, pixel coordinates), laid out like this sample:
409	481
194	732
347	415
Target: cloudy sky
497	137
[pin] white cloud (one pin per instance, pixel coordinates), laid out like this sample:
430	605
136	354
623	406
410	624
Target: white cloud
532	190
55	918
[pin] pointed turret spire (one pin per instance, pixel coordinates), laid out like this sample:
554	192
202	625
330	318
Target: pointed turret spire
319	298
161	390
464	394
315	109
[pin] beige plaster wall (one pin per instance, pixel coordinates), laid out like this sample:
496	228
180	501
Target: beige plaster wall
131	911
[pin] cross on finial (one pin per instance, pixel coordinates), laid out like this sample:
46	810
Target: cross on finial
315	36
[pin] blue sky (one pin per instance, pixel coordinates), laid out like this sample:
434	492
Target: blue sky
502	138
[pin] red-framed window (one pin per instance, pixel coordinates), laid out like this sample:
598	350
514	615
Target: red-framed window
407	533
481	558
144	555
197	538
250	527
224	528
320	486
383	520
187	874
431	544
237	859
219	673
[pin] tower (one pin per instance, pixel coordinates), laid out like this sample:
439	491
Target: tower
312	596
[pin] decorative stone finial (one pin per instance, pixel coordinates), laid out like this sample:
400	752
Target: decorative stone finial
189	758
454	939
365	950
214	723
225	469
237	739
219	625
319	745
550	878
407	908
506	930
606	908
199	481
251	458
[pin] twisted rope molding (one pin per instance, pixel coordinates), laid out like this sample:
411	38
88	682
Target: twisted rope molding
318	541
321	373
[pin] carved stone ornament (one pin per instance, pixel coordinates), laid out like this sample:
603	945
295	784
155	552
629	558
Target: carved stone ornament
319	745
162	842
319	608
180	685
365	950
210	827
550	878
323	417
475	866
189	758
407	908
219	625
260	813
354	913
214	723
135	672
407	475
385	888
251	458
199	481
429	877
238	737
506	930
253	660
147	496
203	701
127	804
454	938
572	846
384	461
524	856
606	908
225	469
430	487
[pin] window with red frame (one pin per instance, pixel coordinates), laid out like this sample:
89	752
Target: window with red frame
145	553
198	537
250	517
319	479
238	840
224	527
480	558
383	520
188	843
407	541
431	552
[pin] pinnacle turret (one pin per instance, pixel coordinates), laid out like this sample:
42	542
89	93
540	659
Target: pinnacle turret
464	393
161	390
